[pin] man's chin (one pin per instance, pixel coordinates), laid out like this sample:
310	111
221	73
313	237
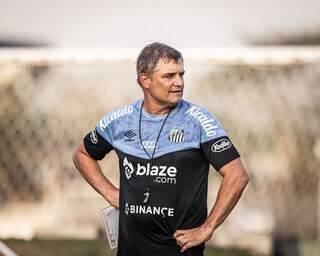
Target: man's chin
176	98
171	102
174	102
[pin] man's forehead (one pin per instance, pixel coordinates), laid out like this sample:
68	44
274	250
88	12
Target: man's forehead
169	65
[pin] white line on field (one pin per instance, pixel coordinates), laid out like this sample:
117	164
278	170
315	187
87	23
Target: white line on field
6	251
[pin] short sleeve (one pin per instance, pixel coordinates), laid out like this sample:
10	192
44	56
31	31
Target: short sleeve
98	142
214	142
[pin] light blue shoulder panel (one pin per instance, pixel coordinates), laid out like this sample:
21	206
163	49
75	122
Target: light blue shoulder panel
208	124
185	128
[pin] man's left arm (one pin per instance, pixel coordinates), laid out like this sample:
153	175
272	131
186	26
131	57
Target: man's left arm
235	179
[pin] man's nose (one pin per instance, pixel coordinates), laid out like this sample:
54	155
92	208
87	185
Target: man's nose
178	81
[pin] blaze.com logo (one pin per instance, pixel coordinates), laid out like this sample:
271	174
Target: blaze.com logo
161	174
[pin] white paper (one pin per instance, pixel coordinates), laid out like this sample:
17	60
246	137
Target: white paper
110	217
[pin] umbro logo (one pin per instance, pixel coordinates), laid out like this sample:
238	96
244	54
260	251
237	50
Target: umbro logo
129	134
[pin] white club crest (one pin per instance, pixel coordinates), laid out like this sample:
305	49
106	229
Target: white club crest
176	135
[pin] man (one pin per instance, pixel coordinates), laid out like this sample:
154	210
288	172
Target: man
165	145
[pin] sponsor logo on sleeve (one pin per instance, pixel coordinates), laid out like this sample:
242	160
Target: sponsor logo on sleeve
208	124
221	145
94	137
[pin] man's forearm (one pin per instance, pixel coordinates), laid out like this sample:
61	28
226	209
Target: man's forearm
229	194
93	174
234	181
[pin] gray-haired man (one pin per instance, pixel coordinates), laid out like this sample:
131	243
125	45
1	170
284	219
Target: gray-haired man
165	145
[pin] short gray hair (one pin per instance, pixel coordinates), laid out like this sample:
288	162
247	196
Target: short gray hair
151	54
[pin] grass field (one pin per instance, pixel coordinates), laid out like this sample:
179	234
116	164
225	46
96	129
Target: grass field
87	248
310	248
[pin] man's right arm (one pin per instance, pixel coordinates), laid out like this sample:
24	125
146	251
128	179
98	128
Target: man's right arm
91	171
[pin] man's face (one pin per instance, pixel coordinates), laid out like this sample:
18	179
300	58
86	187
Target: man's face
165	84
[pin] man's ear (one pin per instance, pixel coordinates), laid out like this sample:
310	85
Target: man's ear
144	80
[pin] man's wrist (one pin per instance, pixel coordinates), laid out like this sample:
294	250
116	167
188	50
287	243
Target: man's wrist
209	226
112	196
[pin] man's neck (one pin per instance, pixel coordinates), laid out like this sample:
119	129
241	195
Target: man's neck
155	108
